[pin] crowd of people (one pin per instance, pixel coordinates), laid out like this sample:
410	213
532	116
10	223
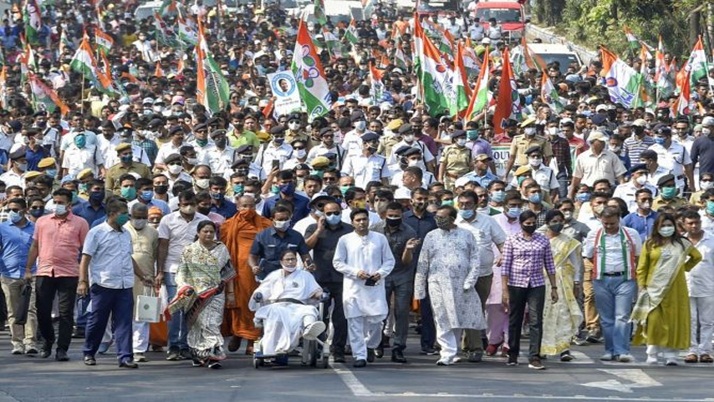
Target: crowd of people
597	228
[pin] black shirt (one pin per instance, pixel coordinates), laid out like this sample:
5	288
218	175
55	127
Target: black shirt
324	251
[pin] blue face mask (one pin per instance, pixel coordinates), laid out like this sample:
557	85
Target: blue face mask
513	212
535	198
659	140
147	195
466	213
15	217
498	196
238	189
217	195
669	192
80	141
288	189
710	208
96	196
51	173
583	197
333	219
122	219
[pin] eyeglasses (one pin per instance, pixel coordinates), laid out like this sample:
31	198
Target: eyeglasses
332	213
320	205
36	207
14	209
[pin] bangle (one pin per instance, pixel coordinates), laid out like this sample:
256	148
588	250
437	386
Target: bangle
84	281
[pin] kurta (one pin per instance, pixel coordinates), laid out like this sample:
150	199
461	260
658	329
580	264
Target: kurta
238	233
561	320
144	244
370	253
283	322
662	270
449	263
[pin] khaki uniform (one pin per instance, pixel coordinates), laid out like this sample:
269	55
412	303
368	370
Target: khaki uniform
521	143
115	172
299	135
457	162
386	144
675	203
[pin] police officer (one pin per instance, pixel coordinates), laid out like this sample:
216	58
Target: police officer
522	142
455	160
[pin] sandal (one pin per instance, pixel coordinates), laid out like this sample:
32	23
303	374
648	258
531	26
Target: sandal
691	358
705	358
249	348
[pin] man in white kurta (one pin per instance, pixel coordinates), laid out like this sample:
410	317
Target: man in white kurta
364	258
285	322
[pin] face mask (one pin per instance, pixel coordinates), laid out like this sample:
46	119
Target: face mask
300	153
248	158
659	140
498	196
666	231
448	202
221	142
583	197
706	185
598	209
289	269
83	187
461	142
203	211
126	158
710	208
472	135
51	173
409	138
60	209
188	209
443	222
287	189
202	143
553	130
706	131
279	141
669	192
274	189
528	228
281	225
556	227
80	141
394	222
238	189
122	219
333	219
568	215
161	190
217	195
535	198
74	196
128	192
641	180
343	189
201	183
147	195
466	213
96	196
530	131
360	125
535	162
37	212
294	126
15	217
138	223
175	169
615	149
520	180
513	212
192	161
22	167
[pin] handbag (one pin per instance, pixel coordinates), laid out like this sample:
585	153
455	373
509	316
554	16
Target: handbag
22	307
148	307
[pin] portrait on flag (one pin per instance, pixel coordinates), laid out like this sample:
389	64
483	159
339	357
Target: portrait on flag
287	98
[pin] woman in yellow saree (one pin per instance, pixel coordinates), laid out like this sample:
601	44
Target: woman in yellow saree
561	320
661	314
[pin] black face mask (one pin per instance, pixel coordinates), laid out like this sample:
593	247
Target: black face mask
203	211
394	223
161	190
529	229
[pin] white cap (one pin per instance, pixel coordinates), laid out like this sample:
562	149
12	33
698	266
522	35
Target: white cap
601	107
597	135
708	121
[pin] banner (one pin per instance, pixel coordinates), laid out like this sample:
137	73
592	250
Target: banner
502	152
287	97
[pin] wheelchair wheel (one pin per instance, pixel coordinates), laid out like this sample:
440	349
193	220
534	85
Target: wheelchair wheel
325	360
257	362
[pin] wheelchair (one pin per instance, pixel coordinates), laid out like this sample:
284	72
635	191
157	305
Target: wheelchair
315	353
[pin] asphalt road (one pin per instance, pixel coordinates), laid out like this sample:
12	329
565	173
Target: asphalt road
24	378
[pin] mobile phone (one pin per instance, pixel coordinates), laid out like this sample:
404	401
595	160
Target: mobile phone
276	164
370	282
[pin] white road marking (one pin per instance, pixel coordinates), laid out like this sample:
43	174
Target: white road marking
358	389
637	377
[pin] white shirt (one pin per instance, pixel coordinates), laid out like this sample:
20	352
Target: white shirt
426	179
166	150
674	159
111	264
366	168
220	161
487	233
613	248
426	154
10	178
75	159
373	216
700	280
626	192
202	151
174	228
268	153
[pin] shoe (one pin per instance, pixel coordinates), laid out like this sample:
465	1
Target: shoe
593	337
444	362
213	364
671	362
504	351
90	360
491	350
61	356
46	352
30	350
475	357
370	355
157	348
512	361
140	358
312	331
104	347
385	342
625	358
18	350
607	357
186	354
359	363
195	362
78	333
428	351
652	359
128	364
566	356
249	350
379	351
398	356
690	358
535	364
234	344
705	358
338	356
578	341
174	355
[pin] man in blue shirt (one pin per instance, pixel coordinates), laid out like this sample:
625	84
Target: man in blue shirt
220	205
145	195
15	239
643	219
286	192
93	209
270	243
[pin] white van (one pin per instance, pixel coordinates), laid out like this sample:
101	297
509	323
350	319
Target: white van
555	52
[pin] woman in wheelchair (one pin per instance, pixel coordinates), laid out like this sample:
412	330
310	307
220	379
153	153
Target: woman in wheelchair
281	307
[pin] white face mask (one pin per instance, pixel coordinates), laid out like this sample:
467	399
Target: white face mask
706	131
139	223
281	225
535	162
300	153
289	269
553	130
294	126
568	215
706	185
360	125
175	169
192	161
202	183
409	138
414	162
461	142
641	180
530	130
615	148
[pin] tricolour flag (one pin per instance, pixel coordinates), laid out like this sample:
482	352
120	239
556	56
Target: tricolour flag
696	66
435	82
186	33
367	9
400	60
32	16
44	97
682	106
508	105
621	80
319	12
480	97
212	89
663	80
83	61
351	32
334	46
103	40
632	40
549	93
309	75
376	89
462	91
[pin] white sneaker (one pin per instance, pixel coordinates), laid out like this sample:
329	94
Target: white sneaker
444	362
625	358
651	359
671	362
606	357
313	330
